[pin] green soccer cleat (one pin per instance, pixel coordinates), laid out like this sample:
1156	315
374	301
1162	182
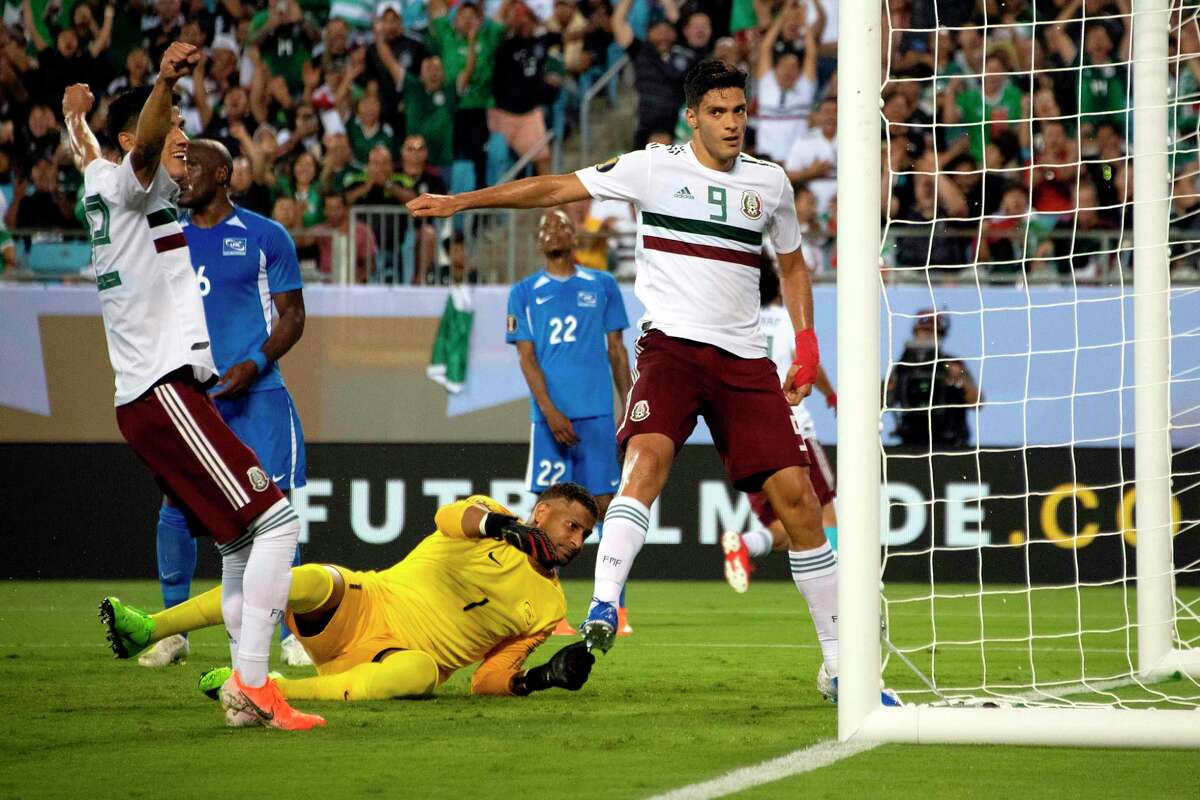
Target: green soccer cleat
211	682
129	629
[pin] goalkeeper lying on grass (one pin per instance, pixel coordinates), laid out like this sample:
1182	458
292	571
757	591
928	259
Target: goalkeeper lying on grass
482	587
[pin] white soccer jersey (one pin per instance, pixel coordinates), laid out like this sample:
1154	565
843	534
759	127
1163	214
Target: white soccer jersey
700	238
782	114
781	348
149	298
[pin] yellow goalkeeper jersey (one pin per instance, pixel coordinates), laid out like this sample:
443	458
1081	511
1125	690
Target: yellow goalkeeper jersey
459	600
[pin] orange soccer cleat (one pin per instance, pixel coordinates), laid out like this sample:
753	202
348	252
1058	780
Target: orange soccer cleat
737	561
266	704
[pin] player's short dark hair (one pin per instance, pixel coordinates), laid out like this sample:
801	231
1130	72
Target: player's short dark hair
709	74
124	110
572	492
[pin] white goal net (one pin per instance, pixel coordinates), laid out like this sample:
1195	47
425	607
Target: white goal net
1011	343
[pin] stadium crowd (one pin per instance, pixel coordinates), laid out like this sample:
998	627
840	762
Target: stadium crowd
1007	144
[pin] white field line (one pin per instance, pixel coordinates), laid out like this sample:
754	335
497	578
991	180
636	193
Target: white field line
824	754
819	755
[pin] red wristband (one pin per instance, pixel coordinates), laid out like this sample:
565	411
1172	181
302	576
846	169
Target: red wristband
831	400
808	356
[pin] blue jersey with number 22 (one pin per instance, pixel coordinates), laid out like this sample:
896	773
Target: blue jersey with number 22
568	322
240	262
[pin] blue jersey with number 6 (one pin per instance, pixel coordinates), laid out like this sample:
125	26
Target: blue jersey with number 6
240	262
568	322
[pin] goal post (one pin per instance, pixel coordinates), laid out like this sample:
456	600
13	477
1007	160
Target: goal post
1156	649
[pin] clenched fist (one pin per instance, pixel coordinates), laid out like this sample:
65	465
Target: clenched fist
78	99
179	60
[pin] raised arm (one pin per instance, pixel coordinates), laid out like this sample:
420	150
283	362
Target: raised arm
622	32
77	104
155	119
670	11
541	191
39	44
766	45
104	37
812	45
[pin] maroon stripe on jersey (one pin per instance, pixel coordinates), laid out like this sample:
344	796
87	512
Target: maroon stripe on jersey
701	251
172	242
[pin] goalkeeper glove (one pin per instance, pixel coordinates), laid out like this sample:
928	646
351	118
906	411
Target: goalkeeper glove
567	669
508	529
808	356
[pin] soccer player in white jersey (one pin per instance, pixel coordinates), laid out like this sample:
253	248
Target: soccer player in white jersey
741	548
160	351
703	209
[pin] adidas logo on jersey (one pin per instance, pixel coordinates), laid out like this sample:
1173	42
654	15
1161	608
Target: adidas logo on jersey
685	194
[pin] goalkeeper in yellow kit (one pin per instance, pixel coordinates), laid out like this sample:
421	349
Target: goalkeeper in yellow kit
481	588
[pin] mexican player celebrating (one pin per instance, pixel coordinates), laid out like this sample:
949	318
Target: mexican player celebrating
161	354
704	209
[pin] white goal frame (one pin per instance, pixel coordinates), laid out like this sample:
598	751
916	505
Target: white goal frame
861	716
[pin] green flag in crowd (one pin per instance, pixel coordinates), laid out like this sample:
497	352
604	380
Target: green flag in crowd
448	361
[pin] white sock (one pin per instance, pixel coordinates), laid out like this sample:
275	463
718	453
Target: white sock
266	584
815	574
758	542
233	567
625	527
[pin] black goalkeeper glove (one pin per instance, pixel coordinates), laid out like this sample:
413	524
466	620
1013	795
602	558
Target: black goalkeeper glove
569	669
529	540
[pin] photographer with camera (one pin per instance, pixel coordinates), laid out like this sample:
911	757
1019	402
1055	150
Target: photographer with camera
934	386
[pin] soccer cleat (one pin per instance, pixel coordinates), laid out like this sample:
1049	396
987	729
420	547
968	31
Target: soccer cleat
623	626
211	681
564	629
294	654
165	652
827	685
600	627
128	629
737	561
265	702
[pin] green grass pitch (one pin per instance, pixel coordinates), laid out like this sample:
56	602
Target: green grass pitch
710	681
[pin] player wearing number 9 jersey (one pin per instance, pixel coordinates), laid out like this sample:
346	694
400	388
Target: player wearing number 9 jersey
703	211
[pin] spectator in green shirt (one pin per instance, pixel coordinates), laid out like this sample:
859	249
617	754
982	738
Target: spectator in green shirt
367	131
429	103
467	47
987	113
284	37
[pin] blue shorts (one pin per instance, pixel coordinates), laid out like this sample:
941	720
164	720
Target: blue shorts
267	423
592	463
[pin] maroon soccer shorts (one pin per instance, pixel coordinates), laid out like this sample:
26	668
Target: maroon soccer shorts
198	461
740	398
819	474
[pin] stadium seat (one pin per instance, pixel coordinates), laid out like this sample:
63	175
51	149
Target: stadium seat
59	258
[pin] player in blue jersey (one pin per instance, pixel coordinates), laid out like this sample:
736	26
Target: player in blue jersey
245	263
566	322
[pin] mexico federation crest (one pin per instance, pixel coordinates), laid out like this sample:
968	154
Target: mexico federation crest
641	410
607	165
751	205
258	479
